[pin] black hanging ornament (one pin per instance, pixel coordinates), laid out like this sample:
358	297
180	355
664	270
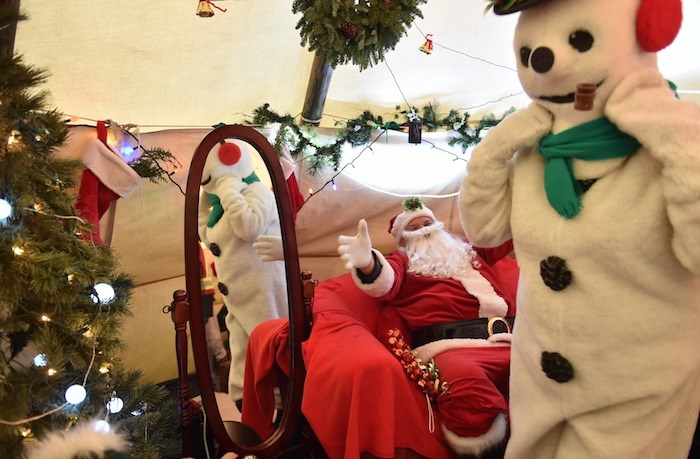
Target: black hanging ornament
415	128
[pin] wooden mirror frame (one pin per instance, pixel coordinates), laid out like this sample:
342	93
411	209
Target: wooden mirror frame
291	411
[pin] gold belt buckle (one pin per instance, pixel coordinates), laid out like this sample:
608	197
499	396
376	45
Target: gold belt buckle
493	320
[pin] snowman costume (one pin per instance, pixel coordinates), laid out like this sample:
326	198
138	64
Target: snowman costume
603	207
234	209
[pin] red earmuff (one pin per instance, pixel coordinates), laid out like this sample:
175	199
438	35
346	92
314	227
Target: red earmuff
229	153
658	23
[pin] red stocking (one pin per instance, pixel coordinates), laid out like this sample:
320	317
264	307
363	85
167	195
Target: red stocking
94	197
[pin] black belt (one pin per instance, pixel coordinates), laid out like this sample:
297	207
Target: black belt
475	329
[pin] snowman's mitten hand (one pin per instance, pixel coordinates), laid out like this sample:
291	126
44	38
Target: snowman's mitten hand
521	129
229	183
269	247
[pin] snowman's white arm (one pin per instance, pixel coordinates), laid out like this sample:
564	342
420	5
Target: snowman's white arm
203	216
485	195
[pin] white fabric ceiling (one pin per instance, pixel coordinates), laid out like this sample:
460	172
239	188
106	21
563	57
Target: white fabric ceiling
156	64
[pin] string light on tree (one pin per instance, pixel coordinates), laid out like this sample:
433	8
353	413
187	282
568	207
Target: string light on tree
102	426
40	360
5	209
75	394
115	404
14	137
105	293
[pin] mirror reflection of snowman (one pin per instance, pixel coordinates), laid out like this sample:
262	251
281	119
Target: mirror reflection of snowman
235	208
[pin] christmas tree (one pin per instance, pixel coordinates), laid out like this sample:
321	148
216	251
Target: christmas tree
62	298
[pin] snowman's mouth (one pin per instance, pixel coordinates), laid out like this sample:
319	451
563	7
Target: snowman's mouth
206	181
565	99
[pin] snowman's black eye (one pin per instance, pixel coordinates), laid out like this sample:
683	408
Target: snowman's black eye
581	40
525	56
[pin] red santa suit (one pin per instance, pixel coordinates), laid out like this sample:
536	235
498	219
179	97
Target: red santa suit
474	410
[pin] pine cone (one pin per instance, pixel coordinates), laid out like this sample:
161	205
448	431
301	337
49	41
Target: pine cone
349	30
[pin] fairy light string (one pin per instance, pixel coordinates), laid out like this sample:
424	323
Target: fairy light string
60	407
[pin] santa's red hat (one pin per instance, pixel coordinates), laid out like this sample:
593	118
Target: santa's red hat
413	208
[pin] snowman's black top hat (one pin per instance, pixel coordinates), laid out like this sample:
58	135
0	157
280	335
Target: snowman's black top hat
502	7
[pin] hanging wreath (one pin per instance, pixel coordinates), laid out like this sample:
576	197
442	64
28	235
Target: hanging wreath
355	31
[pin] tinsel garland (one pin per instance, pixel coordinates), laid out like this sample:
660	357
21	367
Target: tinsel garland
346	31
302	141
426	376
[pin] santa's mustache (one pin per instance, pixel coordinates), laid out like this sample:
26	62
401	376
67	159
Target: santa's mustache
423	232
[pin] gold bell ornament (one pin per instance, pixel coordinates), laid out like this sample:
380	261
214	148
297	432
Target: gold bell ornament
427	47
204	9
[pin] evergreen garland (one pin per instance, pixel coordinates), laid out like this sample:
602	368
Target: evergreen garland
360	32
303	143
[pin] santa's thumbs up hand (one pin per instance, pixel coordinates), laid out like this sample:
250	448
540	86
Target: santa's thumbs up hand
356	251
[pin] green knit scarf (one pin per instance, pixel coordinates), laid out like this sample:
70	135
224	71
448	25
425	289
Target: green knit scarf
217	210
592	141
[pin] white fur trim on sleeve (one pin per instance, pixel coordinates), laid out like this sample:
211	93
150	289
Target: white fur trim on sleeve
474	446
430	350
381	284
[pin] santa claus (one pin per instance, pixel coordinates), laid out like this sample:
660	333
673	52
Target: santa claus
444	297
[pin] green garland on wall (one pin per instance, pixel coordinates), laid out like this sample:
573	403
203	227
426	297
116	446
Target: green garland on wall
303	141
359	32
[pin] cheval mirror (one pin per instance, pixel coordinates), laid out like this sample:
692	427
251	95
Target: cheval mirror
231	437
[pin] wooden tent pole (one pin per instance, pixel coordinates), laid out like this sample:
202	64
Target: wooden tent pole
7	35
316	91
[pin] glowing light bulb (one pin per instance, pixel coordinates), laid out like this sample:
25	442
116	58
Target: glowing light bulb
18	250
127	150
105	293
25	431
45	318
102	426
75	394
5	209
115	405
104	369
51	372
40	360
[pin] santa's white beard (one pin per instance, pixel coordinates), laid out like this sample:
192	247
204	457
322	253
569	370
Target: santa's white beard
434	252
